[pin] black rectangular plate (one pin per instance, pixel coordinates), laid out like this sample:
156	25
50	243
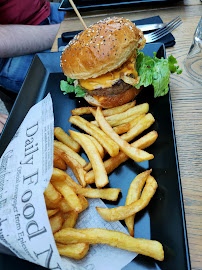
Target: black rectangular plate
106	4
163	219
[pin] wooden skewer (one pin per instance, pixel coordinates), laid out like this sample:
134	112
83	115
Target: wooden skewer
77	13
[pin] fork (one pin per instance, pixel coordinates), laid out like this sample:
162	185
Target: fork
169	27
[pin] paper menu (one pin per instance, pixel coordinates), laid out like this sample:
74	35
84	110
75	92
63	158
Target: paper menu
25	170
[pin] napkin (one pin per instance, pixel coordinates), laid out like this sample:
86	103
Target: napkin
168	40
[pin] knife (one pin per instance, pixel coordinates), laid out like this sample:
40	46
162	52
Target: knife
67	36
149	27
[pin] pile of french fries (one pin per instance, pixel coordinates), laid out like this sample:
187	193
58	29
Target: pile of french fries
106	142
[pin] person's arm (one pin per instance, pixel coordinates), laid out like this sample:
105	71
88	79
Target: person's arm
3	119
16	40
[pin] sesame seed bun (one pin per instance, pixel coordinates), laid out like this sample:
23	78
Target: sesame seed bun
101	48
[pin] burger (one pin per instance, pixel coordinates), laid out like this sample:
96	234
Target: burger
101	64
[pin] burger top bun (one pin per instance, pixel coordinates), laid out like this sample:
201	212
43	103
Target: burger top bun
101	48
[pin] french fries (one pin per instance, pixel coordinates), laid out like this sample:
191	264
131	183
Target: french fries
59	163
52	194
133	195
69	195
122	212
70	152
83	201
111	147
81	111
52	212
149	248
125	127
114	120
113	162
99	148
65	199
64	206
106	112
134	153
110	194
97	145
76	167
63	137
141	126
51	205
70	219
75	251
56	222
101	178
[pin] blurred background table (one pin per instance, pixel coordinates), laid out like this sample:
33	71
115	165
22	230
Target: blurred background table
186	103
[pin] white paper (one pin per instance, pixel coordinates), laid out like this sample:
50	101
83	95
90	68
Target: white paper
25	170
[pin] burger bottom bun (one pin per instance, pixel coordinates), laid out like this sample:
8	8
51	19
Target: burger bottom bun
112	101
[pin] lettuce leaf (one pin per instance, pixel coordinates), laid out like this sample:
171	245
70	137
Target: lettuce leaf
68	87
155	72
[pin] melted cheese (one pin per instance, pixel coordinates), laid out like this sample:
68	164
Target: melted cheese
110	78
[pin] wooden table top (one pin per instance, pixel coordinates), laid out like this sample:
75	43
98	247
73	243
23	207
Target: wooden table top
186	97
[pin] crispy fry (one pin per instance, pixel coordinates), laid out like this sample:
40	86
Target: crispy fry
50	205
119	109
69	195
59	163
70	152
111	147
113	162
121	121
64	206
141	126
97	145
83	201
101	178
81	111
75	251
115	110
114	120
88	167
122	212
122	128
63	137
56	222
76	167
100	149
129	119
133	195
146	140
52	212
52	194
134	153
121	240
70	219
110	194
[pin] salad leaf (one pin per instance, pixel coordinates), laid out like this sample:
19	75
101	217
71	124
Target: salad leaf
68	87
156	72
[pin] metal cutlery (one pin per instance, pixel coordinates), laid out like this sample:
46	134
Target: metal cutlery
150	27
158	34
